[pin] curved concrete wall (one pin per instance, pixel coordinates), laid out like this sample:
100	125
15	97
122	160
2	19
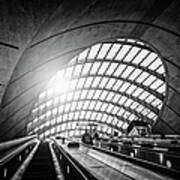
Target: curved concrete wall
78	24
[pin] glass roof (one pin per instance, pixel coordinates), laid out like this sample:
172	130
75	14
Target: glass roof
106	86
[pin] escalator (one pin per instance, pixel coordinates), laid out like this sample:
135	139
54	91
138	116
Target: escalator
41	167
53	160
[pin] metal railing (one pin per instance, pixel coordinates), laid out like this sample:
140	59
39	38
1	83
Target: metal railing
23	167
9	144
12	160
159	160
70	167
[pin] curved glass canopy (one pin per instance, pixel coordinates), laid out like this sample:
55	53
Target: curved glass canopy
106	86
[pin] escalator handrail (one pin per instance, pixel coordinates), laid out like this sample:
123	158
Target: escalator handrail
69	159
23	167
144	163
14	142
155	149
10	155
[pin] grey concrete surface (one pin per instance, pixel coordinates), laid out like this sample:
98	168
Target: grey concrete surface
49	33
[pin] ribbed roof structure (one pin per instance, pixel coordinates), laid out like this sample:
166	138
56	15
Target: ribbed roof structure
106	86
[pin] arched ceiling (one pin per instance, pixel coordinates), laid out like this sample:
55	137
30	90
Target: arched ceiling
105	87
49	35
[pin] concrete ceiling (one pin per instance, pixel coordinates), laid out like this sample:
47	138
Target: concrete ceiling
38	37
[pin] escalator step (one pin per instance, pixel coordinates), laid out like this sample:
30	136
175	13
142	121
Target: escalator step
41	167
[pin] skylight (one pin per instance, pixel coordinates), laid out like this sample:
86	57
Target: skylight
109	83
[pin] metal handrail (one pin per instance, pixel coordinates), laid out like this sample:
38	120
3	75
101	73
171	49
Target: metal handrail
155	149
141	162
69	159
136	160
55	162
21	170
15	152
14	142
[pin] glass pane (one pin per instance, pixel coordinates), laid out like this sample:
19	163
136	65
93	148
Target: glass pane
82	114
56	101
49	103
110	96
97	94
155	64
86	68
103	51
92	105
79	105
131	54
103	82
149	81
120	123
96	81
77	70
140	108
92	117
88	82
137	92
116	98
81	83
98	105
122	52
90	94
71	115
70	96
88	114
94	51
103	95
113	51
124	87
60	109
131	89
99	116
95	68
122	100
162	89
160	70
125	125
128	102
68	72
104	106
110	83
156	102
83	55
77	95
103	68
42	95
156	84
127	72
119	70
151	57
142	77
140	56
83	94
117	85
86	104
135	74
150	98
121	111
144	95
132	117
111	68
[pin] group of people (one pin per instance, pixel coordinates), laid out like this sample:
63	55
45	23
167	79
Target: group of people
90	137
